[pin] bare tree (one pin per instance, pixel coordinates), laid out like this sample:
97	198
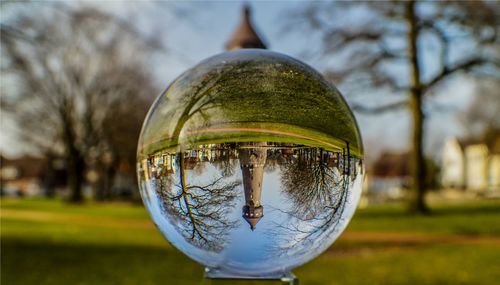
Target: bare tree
191	100
309	181
78	86
227	161
318	191
384	51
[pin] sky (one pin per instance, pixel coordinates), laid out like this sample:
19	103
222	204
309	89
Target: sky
193	31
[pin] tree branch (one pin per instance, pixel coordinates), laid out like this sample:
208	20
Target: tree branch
447	71
443	37
377	110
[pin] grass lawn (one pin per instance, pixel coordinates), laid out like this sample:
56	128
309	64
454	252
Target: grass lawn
48	242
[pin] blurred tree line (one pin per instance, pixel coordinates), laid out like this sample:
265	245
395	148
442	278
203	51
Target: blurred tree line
77	86
481	118
386	51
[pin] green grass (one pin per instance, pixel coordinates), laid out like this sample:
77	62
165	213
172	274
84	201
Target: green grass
49	242
263	133
474	218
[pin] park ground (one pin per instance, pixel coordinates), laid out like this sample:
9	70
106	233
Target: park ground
50	242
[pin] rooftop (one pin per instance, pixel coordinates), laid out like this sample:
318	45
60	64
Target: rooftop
245	35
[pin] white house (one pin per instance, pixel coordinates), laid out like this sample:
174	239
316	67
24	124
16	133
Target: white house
476	167
453	165
471	165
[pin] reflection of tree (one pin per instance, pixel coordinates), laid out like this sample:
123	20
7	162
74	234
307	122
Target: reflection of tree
317	184
198	101
273	161
308	183
225	160
200	211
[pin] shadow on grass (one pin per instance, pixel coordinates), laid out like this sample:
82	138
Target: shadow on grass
43	263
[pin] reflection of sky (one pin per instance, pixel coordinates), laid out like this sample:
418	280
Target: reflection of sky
246	251
250	246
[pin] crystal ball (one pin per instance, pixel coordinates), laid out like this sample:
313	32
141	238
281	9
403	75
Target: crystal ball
250	163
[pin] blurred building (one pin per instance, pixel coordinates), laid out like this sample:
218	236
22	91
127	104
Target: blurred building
471	165
30	176
388	177
23	176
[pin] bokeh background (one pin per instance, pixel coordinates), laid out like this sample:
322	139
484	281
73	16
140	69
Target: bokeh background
77	79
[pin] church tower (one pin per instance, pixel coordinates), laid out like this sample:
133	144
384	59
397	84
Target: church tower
245	35
252	156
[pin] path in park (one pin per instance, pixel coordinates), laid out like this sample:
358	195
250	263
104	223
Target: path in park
407	238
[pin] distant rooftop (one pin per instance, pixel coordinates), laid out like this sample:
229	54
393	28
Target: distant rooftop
245	35
392	165
492	142
26	167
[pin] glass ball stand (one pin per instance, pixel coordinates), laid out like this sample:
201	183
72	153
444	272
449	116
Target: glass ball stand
218	277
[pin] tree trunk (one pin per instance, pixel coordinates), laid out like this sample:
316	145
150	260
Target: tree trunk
418	173
49	177
105	182
75	164
75	168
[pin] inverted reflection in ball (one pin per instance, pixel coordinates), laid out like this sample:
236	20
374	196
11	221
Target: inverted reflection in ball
250	163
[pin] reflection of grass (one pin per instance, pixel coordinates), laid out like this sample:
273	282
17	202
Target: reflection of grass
253	89
46	242
254	132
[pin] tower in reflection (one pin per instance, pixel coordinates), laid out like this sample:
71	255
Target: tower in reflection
252	156
252	161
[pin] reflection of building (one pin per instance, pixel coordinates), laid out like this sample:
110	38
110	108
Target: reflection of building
471	164
252	161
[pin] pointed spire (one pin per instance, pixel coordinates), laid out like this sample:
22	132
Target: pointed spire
245	35
252	222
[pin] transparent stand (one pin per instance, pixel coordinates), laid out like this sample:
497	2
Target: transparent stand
217	277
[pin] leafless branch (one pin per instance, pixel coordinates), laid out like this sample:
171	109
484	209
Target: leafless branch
448	71
377	110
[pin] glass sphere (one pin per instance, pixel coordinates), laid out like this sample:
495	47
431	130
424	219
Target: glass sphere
250	163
